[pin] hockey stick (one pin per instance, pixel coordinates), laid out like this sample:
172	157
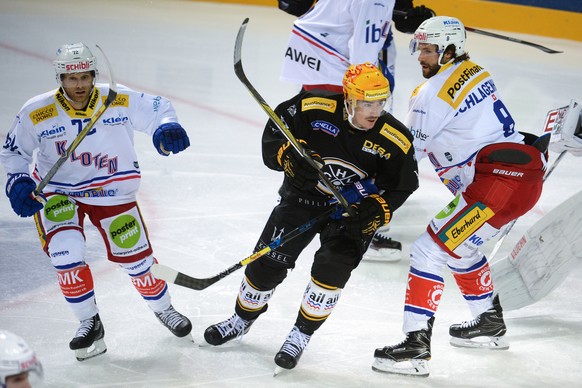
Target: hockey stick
499	36
173	276
514	40
239	71
510	225
83	133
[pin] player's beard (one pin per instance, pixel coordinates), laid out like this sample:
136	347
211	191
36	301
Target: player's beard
429	70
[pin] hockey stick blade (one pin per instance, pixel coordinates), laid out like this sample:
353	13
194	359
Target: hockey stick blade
240	73
171	275
83	133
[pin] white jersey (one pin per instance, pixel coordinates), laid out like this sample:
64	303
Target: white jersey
333	35
104	169
453	115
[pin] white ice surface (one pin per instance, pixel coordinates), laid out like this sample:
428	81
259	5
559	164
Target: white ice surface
205	208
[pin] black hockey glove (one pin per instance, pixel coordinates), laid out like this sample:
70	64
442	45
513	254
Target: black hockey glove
414	17
371	213
295	7
299	172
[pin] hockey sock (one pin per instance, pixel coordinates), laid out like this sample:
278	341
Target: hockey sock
318	302
153	290
76	282
476	285
251	302
423	296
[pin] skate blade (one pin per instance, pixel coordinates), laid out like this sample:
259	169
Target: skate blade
383	255
278	370
417	368
97	348
484	342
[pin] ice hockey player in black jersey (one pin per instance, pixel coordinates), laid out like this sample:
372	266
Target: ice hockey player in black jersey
359	145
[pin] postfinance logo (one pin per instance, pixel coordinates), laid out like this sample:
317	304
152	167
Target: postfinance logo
59	208
125	231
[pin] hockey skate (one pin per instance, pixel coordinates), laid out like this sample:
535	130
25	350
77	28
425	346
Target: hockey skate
409	357
222	332
88	341
485	331
178	324
383	249
291	350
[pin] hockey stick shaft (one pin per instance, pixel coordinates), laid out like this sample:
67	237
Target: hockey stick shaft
239	71
173	276
510	225
499	36
83	133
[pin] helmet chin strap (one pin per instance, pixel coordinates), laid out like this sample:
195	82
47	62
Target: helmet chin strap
351	116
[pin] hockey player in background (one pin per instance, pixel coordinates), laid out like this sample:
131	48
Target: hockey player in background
99	180
19	367
334	35
355	140
460	122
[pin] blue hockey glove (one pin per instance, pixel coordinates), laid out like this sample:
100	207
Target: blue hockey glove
170	138
355	193
19	190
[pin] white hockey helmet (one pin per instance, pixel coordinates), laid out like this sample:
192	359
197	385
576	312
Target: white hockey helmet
441	31
16	357
74	58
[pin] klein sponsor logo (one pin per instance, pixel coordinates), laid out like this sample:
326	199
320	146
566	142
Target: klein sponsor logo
115	120
48	133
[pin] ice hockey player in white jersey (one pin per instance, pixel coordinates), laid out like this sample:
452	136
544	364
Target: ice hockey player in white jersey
98	181
460	123
331	35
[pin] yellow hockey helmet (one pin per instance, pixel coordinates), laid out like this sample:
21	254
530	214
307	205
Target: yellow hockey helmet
365	82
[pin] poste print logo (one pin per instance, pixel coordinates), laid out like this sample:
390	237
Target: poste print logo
125	231
59	208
